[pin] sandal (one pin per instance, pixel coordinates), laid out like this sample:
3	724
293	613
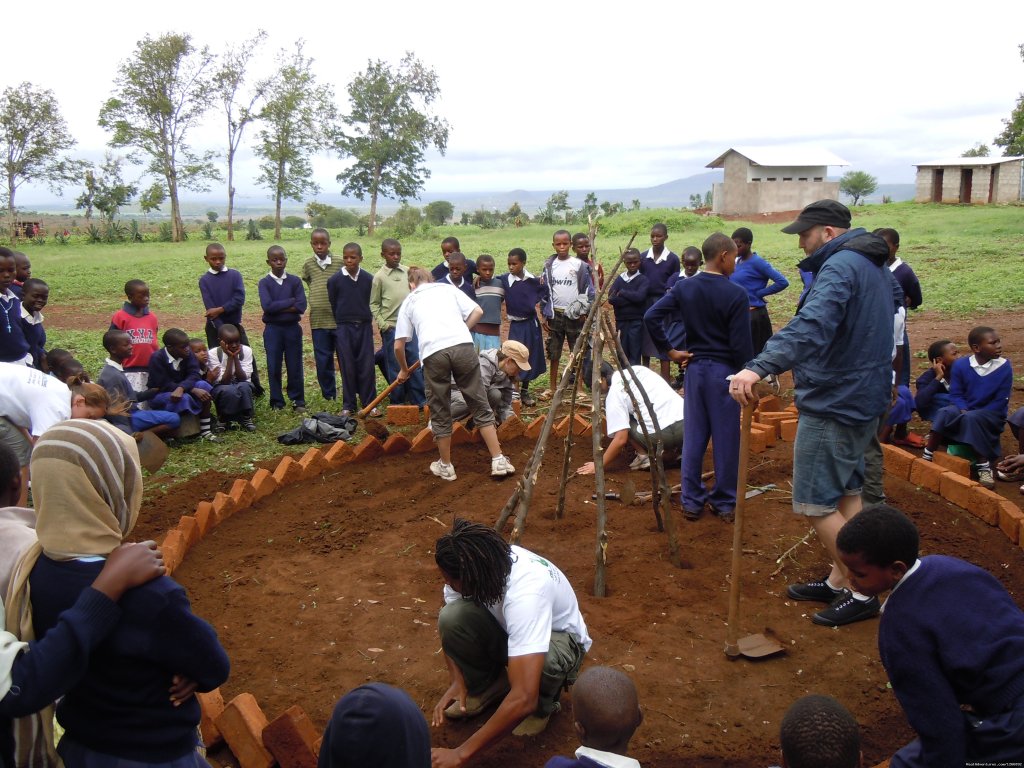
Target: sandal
1010	477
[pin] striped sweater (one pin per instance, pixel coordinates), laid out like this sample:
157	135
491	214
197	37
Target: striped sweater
321	315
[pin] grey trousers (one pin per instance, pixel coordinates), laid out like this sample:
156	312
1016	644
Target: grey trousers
474	640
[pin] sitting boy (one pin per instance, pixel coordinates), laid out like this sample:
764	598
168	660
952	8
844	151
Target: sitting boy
112	378
606	714
819	732
933	384
179	387
233	386
950	636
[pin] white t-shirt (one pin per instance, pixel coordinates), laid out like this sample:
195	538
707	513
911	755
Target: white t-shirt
32	400
668	405
538	600
436	313
219	358
564	289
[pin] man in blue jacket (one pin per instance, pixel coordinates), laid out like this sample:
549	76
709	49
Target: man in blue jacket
839	347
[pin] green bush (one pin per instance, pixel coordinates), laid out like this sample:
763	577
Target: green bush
165	234
628	222
252	231
93	234
208	230
134	233
293	222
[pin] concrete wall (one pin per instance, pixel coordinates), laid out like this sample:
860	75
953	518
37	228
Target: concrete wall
738	195
1007	185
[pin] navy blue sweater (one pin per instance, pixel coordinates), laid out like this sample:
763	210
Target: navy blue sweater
441	270
13	344
122	706
658	275
276	299
629	299
523	296
225	289
714	316
951	635
163	377
350	299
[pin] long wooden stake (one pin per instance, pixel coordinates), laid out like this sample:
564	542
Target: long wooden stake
601	550
563	482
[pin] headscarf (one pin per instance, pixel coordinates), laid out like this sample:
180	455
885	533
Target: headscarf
376	725
87	488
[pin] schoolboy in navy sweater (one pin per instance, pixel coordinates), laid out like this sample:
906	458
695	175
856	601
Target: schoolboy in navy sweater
14	348
659	265
714	316
459	275
628	296
283	300
449	246
949	636
348	290
35	294
177	382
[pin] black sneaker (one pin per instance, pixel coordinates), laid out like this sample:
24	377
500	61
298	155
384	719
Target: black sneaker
248	424
814	591
846	609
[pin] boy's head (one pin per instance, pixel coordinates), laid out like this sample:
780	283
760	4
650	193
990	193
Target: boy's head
320	242
719	254
659	234
10	477
605	709
229	337
351	257
517	261
449	246
743	238
8	269
561	241
216	256
581	246
485	266
878	546
692	259
631	259
198	348
35	294
456	265
137	293
391	252
176	342
277	259
818	732
944	351
118	345
985	343
892	239
22	267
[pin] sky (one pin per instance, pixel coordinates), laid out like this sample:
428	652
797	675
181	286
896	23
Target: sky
580	96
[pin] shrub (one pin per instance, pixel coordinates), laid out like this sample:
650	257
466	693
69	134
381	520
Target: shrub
93	234
628	222
208	230
134	233
165	234
252	231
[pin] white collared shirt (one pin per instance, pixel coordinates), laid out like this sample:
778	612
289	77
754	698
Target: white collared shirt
213	271
608	759
907	575
984	369
174	361
279	280
436	313
657	259
628	278
515	278
895	264
112	364
323	263
32	318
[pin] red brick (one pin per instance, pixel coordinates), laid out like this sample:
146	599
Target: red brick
769	403
205	518
368	450
517	407
189	531
263	484
339	454
926	475
396	443
897	462
402	415
423	442
1010	519
787	428
241	724
773	418
511	428
791	409
952	463
561	427
769	432
223	507
288	471
985	504
173	549
426	412
956	489
243	494
581	426
460	435
211	705
291	738
312	463
533	429
758	441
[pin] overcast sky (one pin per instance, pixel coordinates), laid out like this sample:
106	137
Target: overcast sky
571	95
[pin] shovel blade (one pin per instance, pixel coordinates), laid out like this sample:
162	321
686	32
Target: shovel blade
758	646
152	452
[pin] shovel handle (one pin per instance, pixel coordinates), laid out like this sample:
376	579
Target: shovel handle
732	648
387	391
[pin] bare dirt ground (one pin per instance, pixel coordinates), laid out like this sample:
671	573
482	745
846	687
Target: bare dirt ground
332	583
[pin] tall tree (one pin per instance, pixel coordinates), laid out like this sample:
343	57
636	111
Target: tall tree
33	140
391	127
105	189
298	119
1012	137
438	212
162	92
240	105
857	184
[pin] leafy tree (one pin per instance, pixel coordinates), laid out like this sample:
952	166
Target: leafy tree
33	140
405	221
635	205
516	215
323	215
1012	137
211	216
298	119
239	104
293	222
696	200
559	203
390	129
858	184
590	206
708	199
106	191
252	231
978	150
438	212
152	199
162	92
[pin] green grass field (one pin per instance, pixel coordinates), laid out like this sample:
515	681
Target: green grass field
969	260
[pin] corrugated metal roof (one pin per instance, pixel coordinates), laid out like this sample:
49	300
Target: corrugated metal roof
960	161
787	156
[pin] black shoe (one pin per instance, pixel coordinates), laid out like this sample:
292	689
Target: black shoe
298	408
219	426
726	517
846	609
693	514
248	424
815	591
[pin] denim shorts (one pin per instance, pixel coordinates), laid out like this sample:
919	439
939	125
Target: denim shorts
828	463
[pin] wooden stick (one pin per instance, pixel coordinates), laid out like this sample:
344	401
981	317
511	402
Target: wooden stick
387	391
601	548
567	447
732	647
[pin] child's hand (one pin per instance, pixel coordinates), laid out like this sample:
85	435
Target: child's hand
128	566
214	312
201	395
182	689
177	394
940	370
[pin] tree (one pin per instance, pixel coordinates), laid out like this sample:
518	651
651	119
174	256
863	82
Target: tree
211	217
162	92
106	190
438	212
239	105
858	184
559	203
152	199
298	119
33	140
390	129
1012	137
635	205
978	150
590	206
405	220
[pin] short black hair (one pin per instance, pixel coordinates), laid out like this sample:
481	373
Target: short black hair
660	226
6	253
518	254
631	252
34	282
451	241
456	257
580	236
134	285
881	535
479	557
936	347
888	234
228	329
275	248
215	247
320	231
173	336
562	232
10	468
743	234
388	242
111	337
694	250
353	247
715	244
485	258
974	337
819	732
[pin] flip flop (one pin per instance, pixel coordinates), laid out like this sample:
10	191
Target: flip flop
1010	477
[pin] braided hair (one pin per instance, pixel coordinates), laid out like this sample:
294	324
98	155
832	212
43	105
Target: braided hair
476	555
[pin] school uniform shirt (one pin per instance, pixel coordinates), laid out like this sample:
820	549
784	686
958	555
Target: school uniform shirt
167	373
628	296
441	270
538	600
436	314
908	282
658	270
754	275
389	289
315	273
466	286
143	328
35	335
618	408
31	399
522	295
593	758
349	296
14	347
280	294
975	386
223	289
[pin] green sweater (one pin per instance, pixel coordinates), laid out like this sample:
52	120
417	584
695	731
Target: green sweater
320	313
390	287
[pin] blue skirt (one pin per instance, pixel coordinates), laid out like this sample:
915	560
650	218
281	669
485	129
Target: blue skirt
528	333
979	429
77	755
903	408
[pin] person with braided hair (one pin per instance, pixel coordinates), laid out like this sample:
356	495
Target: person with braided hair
504	607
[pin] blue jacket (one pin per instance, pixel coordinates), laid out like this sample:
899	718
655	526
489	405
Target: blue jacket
839	344
584	284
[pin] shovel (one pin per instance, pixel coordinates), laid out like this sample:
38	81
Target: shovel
751	646
626	495
152	451
375	428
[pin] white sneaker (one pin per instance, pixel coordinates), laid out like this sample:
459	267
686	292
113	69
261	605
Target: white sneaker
985	479
501	467
642	461
444	471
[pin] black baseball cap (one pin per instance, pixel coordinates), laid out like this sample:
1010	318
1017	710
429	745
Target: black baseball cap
830	213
